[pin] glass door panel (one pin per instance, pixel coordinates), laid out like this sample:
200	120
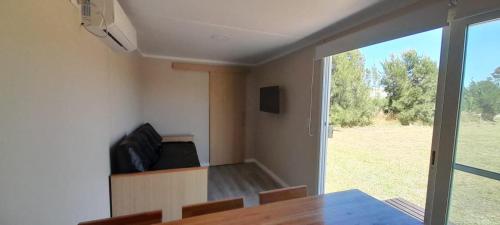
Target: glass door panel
475	192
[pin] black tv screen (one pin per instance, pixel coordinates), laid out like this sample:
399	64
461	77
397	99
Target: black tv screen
270	99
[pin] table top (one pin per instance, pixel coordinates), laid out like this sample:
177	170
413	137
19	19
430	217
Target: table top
342	208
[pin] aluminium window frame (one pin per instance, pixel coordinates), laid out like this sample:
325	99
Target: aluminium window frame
447	115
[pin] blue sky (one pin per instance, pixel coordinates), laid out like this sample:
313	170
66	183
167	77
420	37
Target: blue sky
482	56
426	43
483	50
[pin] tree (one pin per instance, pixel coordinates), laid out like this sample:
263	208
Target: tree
350	103
496	75
410	83
468	100
482	97
373	77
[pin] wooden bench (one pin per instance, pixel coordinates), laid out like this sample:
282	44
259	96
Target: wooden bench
211	207
146	218
282	194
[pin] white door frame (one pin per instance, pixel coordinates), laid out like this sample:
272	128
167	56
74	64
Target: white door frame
447	116
325	106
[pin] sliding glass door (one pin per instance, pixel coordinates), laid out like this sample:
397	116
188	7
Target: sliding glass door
467	180
475	190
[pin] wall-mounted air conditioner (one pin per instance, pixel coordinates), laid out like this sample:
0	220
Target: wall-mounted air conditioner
107	20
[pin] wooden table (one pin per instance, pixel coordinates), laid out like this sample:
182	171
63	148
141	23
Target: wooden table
342	208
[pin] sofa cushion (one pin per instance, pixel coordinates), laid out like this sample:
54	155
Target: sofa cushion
177	155
128	158
148	149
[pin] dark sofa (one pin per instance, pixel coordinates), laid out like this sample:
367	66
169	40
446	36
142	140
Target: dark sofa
144	149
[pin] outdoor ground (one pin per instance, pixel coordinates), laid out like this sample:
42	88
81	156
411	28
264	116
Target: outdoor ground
387	160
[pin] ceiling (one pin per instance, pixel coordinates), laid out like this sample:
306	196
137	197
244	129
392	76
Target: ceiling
245	32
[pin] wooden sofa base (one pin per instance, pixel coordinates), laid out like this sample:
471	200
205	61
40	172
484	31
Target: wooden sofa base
167	190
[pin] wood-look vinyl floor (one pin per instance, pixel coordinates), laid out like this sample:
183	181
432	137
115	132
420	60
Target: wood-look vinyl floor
239	180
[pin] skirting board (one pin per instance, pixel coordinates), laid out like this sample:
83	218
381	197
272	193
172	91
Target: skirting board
268	171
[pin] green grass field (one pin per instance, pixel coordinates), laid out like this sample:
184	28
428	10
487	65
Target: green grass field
387	160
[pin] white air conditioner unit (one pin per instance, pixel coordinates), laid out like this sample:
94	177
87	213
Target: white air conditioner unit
106	19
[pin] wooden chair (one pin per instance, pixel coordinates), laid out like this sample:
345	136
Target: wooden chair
211	207
282	194
146	218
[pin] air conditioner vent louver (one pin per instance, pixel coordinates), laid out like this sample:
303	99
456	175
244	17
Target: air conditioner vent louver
117	42
86	7
86	12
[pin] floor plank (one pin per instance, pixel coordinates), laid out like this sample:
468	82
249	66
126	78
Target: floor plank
245	179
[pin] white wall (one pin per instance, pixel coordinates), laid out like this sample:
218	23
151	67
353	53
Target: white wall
126	88
64	97
177	102
281	141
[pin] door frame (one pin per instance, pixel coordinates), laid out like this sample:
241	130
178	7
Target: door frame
448	116
448	98
325	106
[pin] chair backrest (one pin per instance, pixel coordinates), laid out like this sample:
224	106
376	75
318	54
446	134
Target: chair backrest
146	218
211	207
282	194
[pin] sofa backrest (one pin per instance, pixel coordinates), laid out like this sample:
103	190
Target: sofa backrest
153	137
138	151
150	129
148	149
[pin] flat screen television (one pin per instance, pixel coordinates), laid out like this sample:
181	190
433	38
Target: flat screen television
270	99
